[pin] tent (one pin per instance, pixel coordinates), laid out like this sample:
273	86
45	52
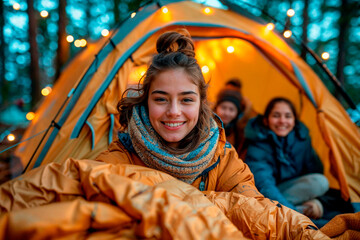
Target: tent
81	110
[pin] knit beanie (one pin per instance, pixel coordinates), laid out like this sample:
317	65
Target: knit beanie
228	95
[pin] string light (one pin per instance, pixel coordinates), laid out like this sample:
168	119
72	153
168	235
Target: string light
105	32
270	26
16	6
77	43
287	34
230	49
11	137
165	10
325	55
46	91
207	10
44	13
69	38
290	12
205	69
133	14
83	43
30	116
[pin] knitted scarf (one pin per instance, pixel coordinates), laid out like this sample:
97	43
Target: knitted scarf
185	167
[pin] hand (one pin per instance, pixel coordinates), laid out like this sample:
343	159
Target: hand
313	209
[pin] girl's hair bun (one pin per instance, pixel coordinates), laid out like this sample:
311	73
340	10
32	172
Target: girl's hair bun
179	41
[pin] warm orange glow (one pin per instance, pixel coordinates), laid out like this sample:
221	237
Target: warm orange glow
11	137
133	14
16	6
69	38
83	43
230	49
30	116
207	10
164	9
136	74
325	55
105	32
290	12
287	34
270	26
44	13
205	69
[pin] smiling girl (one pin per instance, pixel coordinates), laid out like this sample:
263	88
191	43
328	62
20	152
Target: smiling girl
284	164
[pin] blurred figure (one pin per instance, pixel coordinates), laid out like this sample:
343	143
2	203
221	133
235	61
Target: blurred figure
235	110
284	164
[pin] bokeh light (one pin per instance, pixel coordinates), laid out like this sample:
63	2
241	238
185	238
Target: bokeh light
290	12
205	69
270	26
11	137
30	116
325	55
287	34
105	32
44	13
164	9
133	14
230	49
46	91
207	10
69	38
16	6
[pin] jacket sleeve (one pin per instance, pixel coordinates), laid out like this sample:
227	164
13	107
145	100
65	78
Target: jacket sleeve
235	176
258	161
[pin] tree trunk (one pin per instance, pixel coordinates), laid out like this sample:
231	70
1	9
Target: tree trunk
34	54
305	25
3	83
62	53
116	12
343	30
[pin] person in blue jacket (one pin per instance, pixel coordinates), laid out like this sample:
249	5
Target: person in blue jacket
285	166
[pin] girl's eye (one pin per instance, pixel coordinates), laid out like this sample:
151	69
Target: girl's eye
187	100
160	99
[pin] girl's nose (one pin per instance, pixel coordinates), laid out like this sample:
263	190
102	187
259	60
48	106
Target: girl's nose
174	109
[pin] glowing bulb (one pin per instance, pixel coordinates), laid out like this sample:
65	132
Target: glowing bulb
290	12
77	43
133	14
30	116
205	69
46	91
325	55
83	43
230	49
104	32
270	26
287	34
16	6
207	10
69	38
44	13
164	9
11	137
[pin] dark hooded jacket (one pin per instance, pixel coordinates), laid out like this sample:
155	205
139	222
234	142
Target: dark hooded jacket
274	159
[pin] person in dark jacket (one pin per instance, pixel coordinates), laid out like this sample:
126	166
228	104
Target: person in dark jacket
284	164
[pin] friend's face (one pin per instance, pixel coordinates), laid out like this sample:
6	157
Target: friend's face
281	119
227	111
174	105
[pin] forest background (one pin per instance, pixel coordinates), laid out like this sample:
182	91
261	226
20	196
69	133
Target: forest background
39	37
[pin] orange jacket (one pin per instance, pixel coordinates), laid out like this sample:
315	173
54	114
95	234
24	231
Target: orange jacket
228	173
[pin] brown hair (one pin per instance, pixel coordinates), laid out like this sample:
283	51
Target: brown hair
175	50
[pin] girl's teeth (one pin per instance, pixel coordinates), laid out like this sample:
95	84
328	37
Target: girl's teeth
173	124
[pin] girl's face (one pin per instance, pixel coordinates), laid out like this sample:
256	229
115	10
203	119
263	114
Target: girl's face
174	105
281	119
227	111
